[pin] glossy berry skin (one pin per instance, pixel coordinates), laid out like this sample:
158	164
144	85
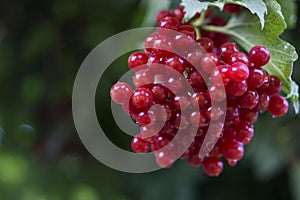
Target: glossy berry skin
278	106
137	59
233	150
244	132
179	13
220	75
249	115
142	77
206	43
212	166
169	23
263	102
239	57
160	93
139	145
237	89
256	78
238	72
275	85
162	14
188	29
249	99
209	62
226	50
177	63
141	98
259	55
120	92
164	160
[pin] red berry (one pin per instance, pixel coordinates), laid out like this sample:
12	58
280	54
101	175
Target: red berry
168	22
141	98
256	78
142	77
177	63
195	161
263	102
139	145
120	93
209	62
179	13
212	166
137	59
238	72
162	14
237	89
259	55
239	57
248	115
226	50
278	106
220	75
206	43
244	132
249	99
233	150
275	85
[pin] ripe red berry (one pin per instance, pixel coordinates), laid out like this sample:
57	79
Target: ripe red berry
259	55
249	115
237	89
137	59
238	72
278	106
256	78
263	102
233	150
206	43
141	98
226	50
212	166
177	63
120	92
244	132
168	22
274	86
239	57
162	14
139	145
179	13
249	99
142	77
209	62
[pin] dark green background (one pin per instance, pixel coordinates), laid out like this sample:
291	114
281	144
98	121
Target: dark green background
42	44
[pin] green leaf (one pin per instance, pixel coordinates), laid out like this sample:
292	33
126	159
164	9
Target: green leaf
245	30
257	7
289	11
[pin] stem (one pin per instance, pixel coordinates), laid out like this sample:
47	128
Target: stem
198	34
198	22
217	29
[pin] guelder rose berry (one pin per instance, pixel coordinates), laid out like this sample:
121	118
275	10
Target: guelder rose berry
259	55
278	106
120	92
218	72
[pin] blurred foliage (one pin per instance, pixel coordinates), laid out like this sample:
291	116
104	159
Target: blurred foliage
42	44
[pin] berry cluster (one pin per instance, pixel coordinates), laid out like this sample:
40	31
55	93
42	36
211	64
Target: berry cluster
218	75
